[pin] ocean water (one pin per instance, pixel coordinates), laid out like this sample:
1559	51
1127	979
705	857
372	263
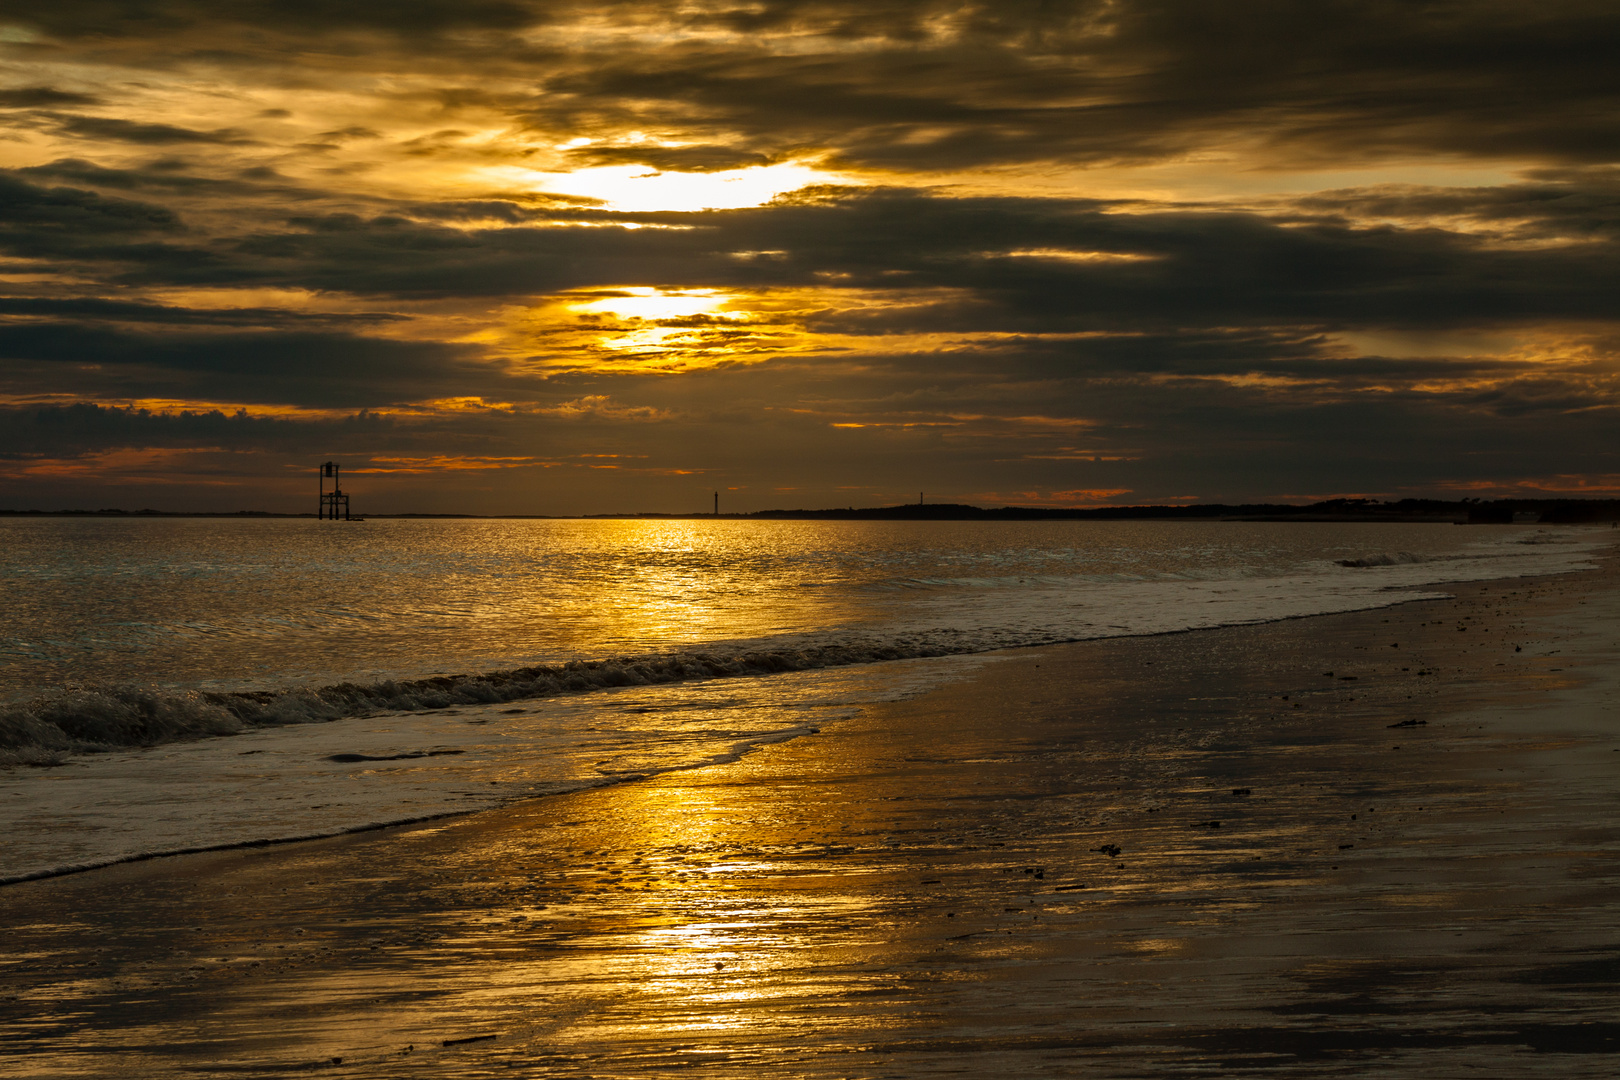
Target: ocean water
174	684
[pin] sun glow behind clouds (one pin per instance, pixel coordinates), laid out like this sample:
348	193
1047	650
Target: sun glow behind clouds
644	328
640	189
642	319
641	302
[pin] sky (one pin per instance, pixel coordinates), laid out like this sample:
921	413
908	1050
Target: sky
517	256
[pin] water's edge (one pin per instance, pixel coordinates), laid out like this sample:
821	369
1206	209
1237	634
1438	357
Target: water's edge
96	720
572	679
736	754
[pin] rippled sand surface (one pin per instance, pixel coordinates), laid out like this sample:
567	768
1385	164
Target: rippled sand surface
1019	875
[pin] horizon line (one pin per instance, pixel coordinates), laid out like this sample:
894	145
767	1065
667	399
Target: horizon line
1353	508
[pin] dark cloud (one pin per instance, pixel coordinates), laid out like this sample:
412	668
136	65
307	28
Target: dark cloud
74	19
354	131
940	86
117	130
74	430
84	307
36	97
474	211
72	212
299	367
1573	206
943	85
252	186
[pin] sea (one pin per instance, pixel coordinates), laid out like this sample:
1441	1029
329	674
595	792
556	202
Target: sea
182	684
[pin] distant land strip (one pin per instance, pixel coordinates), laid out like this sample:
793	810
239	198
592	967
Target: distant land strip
1462	511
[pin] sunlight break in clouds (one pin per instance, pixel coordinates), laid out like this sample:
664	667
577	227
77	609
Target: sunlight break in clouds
638	189
639	302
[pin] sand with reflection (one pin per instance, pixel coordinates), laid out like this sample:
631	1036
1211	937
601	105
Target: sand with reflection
919	890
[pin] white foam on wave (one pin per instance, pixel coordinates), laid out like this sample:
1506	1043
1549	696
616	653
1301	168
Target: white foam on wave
96	719
1397	558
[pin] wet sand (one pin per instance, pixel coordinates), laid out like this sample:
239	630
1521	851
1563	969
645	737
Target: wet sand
1019	875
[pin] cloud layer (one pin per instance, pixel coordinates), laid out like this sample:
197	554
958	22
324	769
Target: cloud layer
553	258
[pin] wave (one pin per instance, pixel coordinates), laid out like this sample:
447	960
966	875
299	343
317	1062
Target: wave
1394	558
1407	558
92	719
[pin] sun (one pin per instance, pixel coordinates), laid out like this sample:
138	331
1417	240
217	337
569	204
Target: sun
639	189
639	302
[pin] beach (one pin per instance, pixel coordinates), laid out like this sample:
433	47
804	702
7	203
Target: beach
1371	841
786	540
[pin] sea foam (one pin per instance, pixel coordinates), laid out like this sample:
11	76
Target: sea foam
103	718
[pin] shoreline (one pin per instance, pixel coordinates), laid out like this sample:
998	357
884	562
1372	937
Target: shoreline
691	671
885	858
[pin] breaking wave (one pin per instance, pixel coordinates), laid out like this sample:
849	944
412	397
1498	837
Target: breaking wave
1396	558
1408	558
95	719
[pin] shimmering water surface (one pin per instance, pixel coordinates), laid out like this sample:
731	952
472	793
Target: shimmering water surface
256	604
128	644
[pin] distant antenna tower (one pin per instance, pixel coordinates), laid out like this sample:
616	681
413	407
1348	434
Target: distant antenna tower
717	504
335	500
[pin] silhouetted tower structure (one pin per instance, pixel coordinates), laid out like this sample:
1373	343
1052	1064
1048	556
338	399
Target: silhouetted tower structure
717	504
334	503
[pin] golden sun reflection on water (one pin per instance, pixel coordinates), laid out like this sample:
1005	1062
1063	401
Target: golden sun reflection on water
717	932
669	592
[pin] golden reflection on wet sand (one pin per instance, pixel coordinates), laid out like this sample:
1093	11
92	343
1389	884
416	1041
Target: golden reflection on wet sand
1018	876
